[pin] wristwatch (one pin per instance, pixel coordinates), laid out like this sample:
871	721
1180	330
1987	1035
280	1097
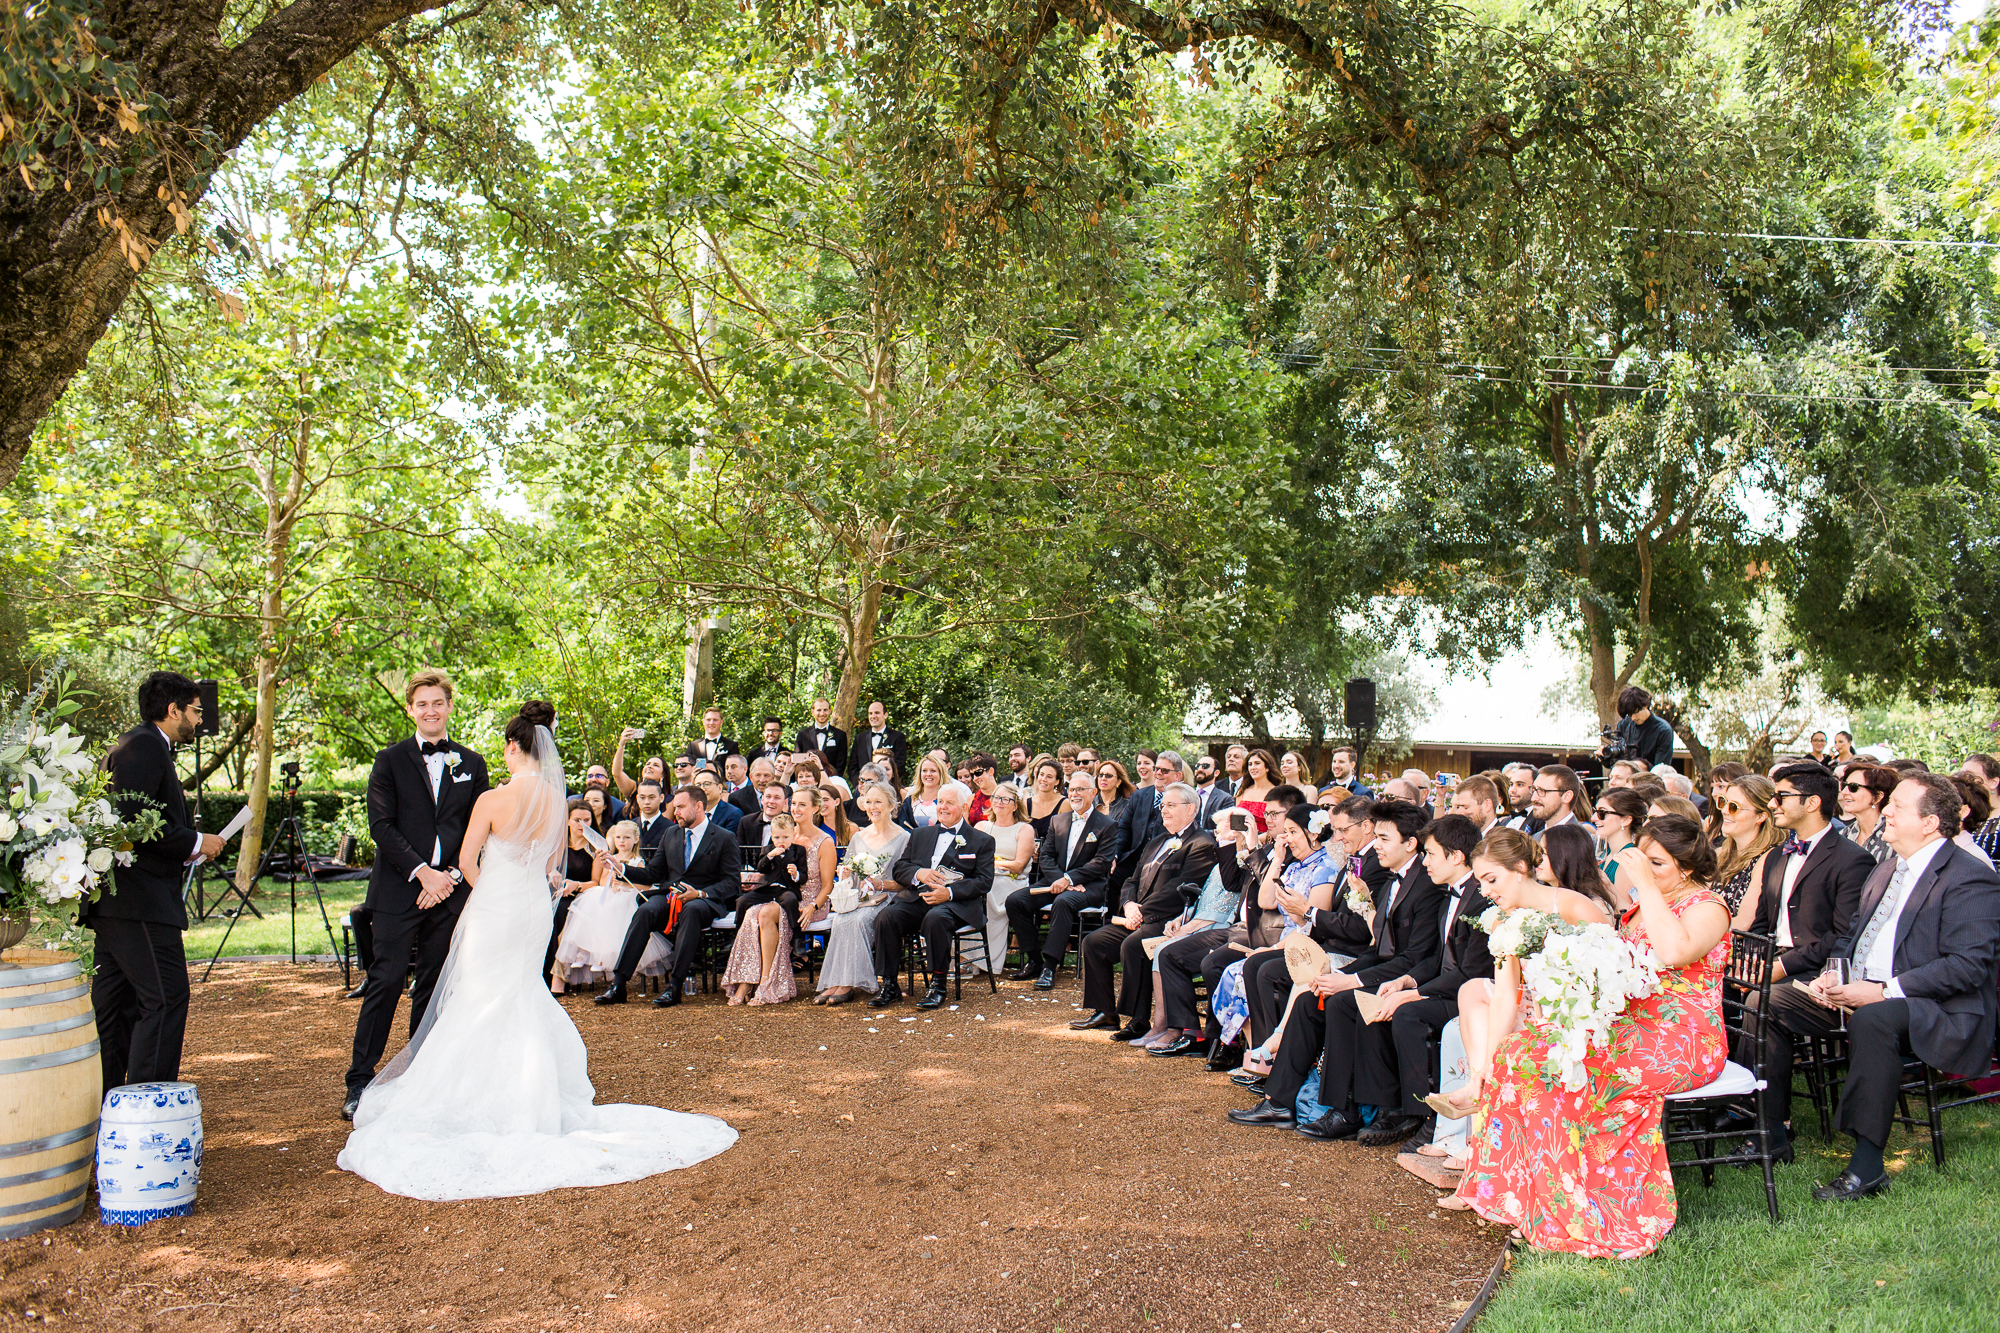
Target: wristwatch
456	877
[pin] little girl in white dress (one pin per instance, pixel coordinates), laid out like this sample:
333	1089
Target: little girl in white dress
595	931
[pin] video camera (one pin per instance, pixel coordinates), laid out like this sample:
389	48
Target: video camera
291	779
1615	747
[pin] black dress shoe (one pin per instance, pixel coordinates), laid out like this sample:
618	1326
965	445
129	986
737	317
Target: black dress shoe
1222	1058
933	998
1746	1152
1243	1078
667	998
890	993
359	991
1266	1112
1389	1129
1025	972
613	994
1332	1125
1046	981
1097	1018
1130	1032
1847	1187
347	1107
1181	1045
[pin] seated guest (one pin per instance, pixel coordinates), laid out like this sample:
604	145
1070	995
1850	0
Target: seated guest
870	774
648	816
1168	876
748	797
694	879
1142	819
580	871
1013	860
944	875
1520	812
1984	770
1813	882
872	853
1680	807
683	771
833	814
1973	808
598	802
1719	779
1557	796
598	778
1749	836
1259	777
1066	754
1864	793
1406	942
1217	907
1045	795
712	794
1619	814
809	830
1921	949
1478	800
1416	1011
1242	861
981	777
919	805
1113	789
806	768
760	962
1649	787
1072	865
600	915
1586	1172
1293	769
1569	861
1210	794
755	830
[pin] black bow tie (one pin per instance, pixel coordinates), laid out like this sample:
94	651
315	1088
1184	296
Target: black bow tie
433	747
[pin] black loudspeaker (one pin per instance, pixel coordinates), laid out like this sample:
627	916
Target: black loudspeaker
211	708
1361	705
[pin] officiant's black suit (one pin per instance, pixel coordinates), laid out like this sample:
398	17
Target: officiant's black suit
972	857
413	825
715	871
140	992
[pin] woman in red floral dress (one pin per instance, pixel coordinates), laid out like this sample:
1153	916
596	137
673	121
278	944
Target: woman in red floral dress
1586	1171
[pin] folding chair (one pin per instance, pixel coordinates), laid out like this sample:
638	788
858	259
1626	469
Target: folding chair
1694	1117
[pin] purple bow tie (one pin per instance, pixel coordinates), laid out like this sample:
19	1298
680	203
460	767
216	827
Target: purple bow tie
1794	846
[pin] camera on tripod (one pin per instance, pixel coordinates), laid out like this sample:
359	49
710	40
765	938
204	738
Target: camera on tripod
291	776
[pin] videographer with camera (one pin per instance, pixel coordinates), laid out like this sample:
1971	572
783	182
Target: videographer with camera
1639	734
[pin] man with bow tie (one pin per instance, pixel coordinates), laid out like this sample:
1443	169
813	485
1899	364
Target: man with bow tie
824	739
945	872
879	736
711	747
1071	867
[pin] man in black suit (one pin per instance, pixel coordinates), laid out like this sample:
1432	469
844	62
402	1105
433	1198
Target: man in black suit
946	871
774	738
1166	880
420	796
1816	874
646	811
697	874
755	830
140	992
824	739
749	798
711	747
1416	1011
1142	819
1406	943
1071	868
879	736
1921	945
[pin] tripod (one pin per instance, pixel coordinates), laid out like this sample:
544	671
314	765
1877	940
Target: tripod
201	872
290	841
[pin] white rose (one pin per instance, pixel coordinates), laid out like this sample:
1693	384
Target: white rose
8	828
100	859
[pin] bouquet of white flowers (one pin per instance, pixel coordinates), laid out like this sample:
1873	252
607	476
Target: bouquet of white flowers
59	833
1583	978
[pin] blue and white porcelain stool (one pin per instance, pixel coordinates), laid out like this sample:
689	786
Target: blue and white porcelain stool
148	1152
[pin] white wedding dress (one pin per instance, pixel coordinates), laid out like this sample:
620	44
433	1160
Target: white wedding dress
492	1096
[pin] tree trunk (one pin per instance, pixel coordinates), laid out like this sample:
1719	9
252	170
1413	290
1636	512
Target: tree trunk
860	645
258	798
1604	682
70	252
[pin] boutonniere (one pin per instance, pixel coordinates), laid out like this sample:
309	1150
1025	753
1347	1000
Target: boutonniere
1173	845
452	759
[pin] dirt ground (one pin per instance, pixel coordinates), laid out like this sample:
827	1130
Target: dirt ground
978	1168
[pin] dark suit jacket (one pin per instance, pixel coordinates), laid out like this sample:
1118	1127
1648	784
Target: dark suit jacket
1166	883
1946	943
1411	928
1341	928
715	752
143	777
651	838
762	750
407	820
1090	868
727	815
829	743
1471	958
972	858
750	833
1823	900
1142	825
864	752
717	868
1208	802
746	800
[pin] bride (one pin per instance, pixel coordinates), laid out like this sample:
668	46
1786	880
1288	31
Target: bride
492	1096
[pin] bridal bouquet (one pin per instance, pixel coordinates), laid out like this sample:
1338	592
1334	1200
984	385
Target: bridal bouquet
866	865
59	833
1583	978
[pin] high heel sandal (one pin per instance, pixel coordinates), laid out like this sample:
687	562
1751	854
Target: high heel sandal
1448	1108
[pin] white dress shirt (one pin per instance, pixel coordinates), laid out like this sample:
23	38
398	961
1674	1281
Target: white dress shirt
693	843
1794	867
434	767
1880	964
1077	824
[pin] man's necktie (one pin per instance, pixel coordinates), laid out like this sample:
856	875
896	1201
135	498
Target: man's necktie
1885	912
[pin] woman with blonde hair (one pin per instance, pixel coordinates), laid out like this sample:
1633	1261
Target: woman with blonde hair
919	805
1294	769
1749	836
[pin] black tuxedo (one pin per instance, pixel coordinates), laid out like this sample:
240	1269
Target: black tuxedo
715	871
1946	940
714	751
972	856
140	991
653	834
1822	903
1341	929
764	750
1087	870
1416	1027
414	824
1167	878
1142	826
750	833
866	742
829	743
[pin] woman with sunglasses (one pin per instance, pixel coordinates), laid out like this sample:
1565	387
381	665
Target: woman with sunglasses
1719	779
1113	789
1863	793
1750	835
1619	812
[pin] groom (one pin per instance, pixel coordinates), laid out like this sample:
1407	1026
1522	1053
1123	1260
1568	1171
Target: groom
420	796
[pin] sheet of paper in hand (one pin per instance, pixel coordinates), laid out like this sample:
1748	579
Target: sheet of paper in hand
596	840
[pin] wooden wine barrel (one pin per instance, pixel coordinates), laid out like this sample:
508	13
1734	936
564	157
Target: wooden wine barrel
51	1084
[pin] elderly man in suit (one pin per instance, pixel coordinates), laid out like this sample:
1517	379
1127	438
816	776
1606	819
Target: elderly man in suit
697	873
945	871
1167	877
1920	949
1071	867
140	992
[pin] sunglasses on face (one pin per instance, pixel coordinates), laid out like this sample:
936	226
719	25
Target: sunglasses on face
1854	786
1734	807
1604	812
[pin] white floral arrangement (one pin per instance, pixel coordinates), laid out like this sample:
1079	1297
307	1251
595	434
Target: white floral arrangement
1583	977
59	833
865	865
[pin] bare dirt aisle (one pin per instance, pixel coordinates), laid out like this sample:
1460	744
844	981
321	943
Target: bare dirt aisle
978	1168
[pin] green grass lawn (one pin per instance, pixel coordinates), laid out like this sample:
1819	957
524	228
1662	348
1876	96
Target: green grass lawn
272	934
1923	1256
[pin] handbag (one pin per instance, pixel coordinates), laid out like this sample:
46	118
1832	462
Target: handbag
846	895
